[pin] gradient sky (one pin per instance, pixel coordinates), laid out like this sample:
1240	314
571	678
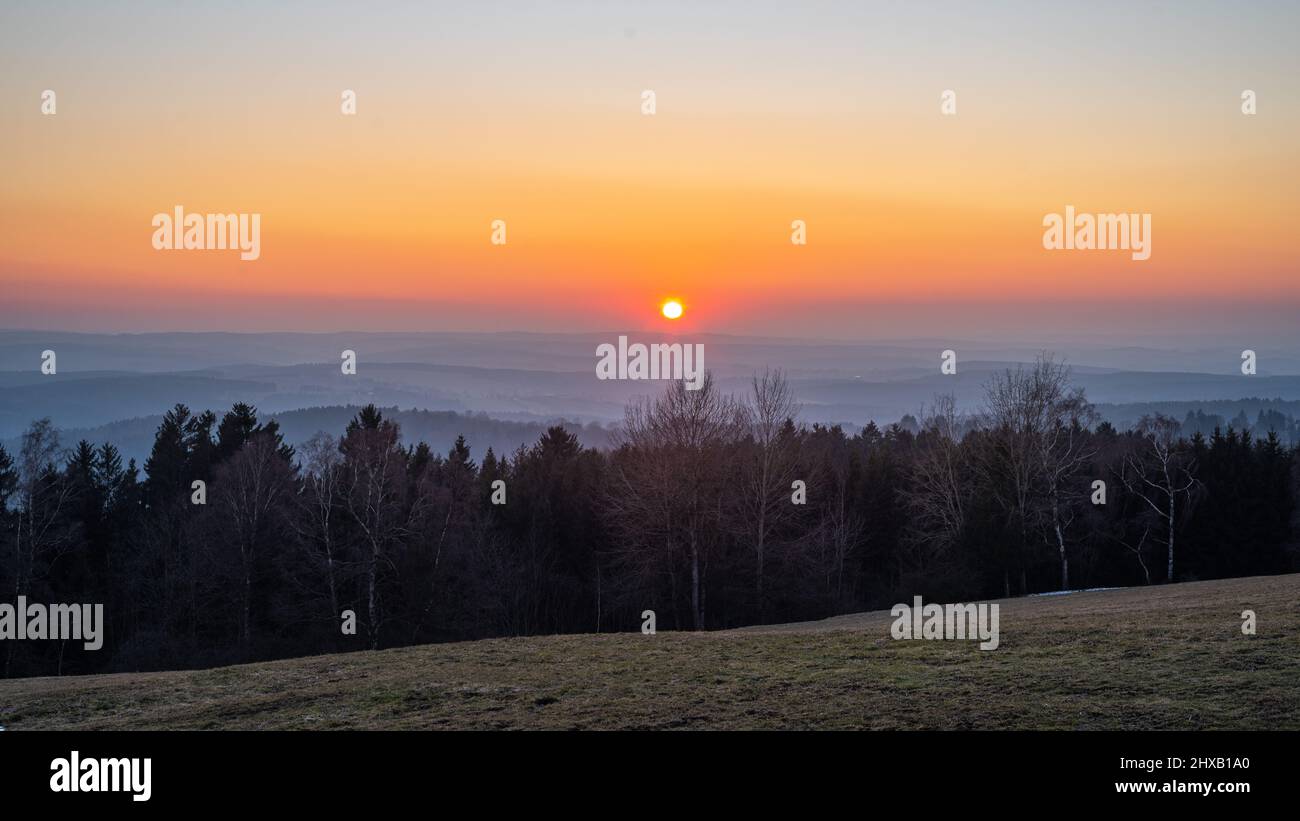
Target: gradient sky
767	112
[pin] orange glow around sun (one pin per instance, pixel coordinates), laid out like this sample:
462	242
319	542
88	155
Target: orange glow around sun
672	309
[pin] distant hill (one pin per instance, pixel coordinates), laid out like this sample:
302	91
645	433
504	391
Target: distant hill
532	378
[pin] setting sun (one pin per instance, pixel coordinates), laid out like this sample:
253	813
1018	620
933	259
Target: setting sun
672	309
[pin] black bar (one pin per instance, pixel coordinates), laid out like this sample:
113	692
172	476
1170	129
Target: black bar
1028	770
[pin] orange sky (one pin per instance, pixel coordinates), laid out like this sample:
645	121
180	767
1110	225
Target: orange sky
609	211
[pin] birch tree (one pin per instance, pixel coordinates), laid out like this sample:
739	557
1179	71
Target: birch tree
1160	473
319	500
1039	430
374	475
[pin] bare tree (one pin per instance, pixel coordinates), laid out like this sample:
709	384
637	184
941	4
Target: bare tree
1007	463
767	468
938	495
319	500
250	488
1136	550
1160	473
1063	452
839	530
374	476
668	482
1039	428
40	496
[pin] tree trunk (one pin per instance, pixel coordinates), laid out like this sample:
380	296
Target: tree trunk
1060	544
334	596
1169	572
248	604
371	604
696	614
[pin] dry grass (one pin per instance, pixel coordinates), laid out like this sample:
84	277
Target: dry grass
1169	657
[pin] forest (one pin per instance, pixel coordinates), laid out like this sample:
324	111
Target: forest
228	545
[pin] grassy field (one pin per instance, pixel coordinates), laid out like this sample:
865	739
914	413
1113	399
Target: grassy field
1170	657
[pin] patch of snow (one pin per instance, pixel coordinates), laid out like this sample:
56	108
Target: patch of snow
1068	592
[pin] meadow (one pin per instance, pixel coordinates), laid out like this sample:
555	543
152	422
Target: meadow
1163	657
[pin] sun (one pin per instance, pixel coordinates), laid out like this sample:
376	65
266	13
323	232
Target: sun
672	309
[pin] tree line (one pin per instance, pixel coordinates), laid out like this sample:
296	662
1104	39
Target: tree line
711	510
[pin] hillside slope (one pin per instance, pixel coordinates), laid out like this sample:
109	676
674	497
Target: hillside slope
1170	657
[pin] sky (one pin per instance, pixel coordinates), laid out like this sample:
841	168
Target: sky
916	221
